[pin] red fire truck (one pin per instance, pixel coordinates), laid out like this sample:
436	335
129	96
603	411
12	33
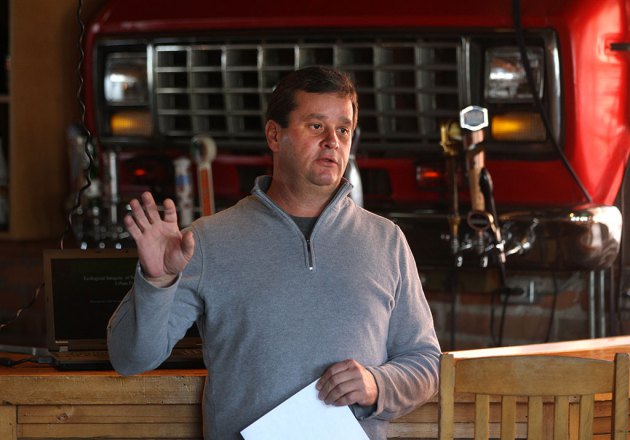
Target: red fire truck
489	131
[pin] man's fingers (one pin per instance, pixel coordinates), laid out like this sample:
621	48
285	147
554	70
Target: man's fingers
163	251
132	227
333	378
344	399
188	245
333	370
346	383
170	211
139	216
344	392
150	207
146	213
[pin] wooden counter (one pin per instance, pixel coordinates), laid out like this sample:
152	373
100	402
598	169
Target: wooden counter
39	402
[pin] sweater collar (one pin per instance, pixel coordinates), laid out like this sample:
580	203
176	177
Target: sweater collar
262	183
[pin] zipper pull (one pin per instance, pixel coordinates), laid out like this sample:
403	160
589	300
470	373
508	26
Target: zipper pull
310	254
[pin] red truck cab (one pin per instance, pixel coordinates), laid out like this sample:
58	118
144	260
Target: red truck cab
556	145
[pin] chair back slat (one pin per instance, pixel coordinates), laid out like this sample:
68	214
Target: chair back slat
561	418
587	408
535	418
482	416
566	385
620	400
446	404
574	421
508	418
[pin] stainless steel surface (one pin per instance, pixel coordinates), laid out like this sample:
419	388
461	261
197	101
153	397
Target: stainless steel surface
578	238
582	237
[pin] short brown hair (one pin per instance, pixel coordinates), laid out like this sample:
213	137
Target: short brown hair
314	79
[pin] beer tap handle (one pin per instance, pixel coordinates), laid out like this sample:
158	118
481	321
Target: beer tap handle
473	120
451	142
204	151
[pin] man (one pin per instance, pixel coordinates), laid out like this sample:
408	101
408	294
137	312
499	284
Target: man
293	283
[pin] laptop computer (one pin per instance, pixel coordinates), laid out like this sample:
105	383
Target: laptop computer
82	290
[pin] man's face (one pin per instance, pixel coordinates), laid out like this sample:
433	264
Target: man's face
313	149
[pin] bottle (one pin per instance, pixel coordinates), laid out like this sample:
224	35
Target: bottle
183	190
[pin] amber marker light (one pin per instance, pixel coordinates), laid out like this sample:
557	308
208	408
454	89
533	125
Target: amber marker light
131	123
518	126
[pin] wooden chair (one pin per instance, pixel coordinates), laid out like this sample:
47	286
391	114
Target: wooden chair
552	395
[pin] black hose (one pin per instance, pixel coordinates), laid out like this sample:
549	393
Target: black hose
520	38
88	134
453	282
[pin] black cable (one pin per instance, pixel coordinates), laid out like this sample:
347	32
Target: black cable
493	339
612	303
516	11
552	315
622	254
506	299
453	282
486	187
88	134
8	362
21	309
504	292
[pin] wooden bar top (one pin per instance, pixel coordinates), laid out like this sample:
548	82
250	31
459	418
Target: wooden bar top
31	383
41	402
42	369
600	348
182	382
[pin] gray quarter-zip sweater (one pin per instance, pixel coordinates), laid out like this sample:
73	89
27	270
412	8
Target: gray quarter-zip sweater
275	310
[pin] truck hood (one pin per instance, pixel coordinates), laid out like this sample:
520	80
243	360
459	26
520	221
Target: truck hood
124	16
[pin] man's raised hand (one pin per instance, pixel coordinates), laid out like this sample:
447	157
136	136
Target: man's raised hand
163	250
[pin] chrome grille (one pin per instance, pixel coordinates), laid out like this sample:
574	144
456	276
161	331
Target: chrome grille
406	86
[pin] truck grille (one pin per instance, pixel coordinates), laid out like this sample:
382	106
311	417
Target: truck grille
406	86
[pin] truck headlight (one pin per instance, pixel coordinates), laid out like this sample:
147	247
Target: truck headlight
506	80
125	79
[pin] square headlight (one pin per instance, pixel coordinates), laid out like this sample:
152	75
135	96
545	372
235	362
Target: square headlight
506	80
125	80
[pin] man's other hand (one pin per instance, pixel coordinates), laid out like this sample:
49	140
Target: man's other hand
347	383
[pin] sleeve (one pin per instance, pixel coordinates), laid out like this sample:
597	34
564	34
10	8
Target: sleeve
410	376
149	321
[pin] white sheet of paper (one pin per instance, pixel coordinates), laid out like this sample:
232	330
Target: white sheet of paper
306	417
